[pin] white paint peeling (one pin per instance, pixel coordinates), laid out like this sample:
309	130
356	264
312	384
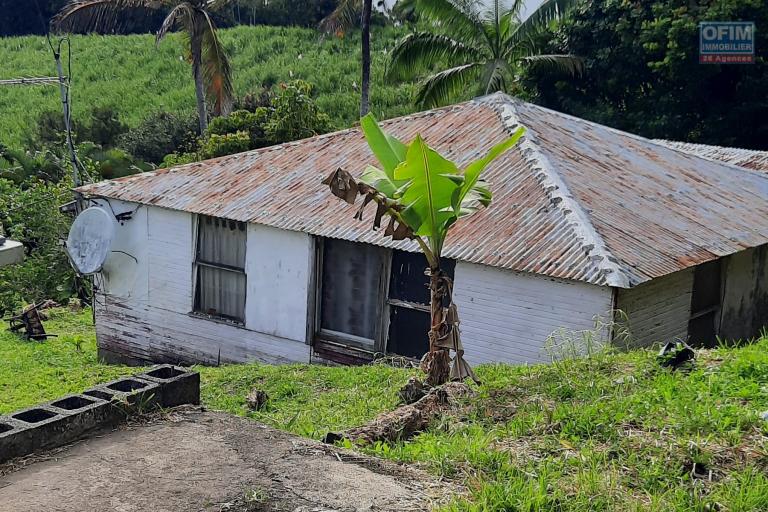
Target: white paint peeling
562	198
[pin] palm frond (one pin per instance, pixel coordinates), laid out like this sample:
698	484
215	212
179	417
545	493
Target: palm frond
417	52
346	15
96	15
214	5
460	18
569	64
217	72
181	15
493	77
441	87
548	11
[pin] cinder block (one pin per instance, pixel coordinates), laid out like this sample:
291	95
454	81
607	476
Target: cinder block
140	394
15	438
69	418
177	385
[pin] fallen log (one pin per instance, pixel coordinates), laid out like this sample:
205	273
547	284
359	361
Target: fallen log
407	420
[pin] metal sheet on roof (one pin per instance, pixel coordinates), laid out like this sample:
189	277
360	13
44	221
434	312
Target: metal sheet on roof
644	209
747	158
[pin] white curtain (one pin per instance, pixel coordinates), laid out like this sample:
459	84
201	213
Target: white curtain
221	280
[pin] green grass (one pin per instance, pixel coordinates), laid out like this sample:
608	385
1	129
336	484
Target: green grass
132	75
613	432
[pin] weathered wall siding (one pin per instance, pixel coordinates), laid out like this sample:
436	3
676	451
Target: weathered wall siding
143	314
745	296
171	252
508	316
658	311
278	266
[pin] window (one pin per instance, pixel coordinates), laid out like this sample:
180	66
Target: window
220	280
373	299
351	292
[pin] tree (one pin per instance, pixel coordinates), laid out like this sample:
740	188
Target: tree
345	15
210	65
642	72
423	194
484	44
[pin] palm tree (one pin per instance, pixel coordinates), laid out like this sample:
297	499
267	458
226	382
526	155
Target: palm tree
210	65
482	43
347	14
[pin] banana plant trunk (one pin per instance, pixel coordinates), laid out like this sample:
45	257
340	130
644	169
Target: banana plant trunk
365	81
438	361
197	71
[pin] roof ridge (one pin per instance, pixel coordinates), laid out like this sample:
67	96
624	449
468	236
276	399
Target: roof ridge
560	195
506	98
676	145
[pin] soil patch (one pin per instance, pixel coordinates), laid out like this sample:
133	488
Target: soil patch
193	460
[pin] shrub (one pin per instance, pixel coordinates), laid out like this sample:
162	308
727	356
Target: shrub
30	214
109	163
49	129
174	159
19	166
104	128
228	144
243	121
295	114
254	100
160	134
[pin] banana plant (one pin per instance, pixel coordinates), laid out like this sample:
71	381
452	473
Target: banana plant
423	194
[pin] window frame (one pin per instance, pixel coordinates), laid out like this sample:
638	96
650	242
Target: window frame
357	343
198	262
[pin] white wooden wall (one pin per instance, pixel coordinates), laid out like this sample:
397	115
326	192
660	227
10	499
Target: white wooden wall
658	311
508	316
144	311
744	310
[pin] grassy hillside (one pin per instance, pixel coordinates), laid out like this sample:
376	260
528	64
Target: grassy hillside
613	432
132	75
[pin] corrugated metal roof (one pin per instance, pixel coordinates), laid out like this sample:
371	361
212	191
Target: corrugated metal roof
748	158
574	200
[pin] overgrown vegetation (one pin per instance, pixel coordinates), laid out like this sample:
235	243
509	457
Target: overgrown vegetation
30	214
136	78
611	432
642	72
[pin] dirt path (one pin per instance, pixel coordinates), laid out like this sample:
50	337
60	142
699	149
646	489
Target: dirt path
204	461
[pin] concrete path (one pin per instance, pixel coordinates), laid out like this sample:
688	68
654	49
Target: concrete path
203	461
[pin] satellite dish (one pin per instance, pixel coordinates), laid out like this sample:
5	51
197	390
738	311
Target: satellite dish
90	240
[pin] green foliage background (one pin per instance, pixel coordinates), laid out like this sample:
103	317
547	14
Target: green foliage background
643	74
137	78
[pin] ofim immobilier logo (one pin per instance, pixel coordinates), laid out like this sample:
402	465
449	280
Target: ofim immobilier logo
726	42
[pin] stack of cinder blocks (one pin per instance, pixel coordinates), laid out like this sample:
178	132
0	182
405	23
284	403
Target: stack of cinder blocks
67	419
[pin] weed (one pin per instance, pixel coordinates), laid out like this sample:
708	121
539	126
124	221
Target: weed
608	432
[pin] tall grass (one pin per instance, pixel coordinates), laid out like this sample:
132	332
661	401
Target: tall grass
134	76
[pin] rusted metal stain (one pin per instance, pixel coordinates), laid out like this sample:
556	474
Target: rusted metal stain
657	210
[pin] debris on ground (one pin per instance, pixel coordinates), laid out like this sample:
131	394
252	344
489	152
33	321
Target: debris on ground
675	354
407	420
413	391
30	320
257	399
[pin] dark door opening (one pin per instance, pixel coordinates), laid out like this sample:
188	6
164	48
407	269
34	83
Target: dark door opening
408	301
705	305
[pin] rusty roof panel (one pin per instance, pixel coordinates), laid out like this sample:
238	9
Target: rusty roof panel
574	200
747	158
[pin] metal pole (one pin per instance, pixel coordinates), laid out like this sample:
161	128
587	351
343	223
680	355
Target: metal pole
64	90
